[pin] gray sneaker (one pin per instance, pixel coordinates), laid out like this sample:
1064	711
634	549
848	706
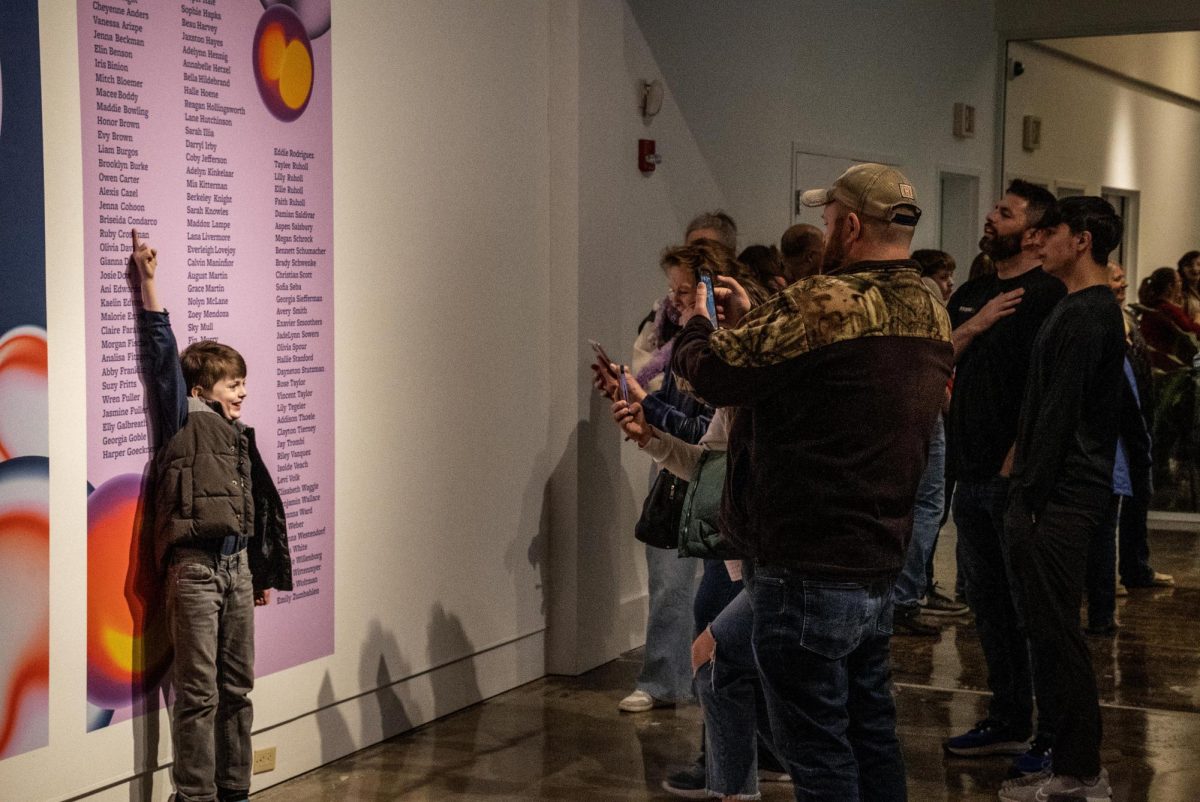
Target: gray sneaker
1047	787
937	603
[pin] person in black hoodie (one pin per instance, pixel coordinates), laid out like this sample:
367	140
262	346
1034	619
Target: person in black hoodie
1062	484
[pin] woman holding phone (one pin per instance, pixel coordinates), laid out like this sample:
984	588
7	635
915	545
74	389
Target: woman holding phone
666	670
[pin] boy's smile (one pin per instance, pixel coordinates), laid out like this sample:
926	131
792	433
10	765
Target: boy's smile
229	393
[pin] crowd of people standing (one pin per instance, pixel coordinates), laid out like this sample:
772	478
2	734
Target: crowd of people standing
849	398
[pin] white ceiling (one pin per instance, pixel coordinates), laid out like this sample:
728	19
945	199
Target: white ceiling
1170	61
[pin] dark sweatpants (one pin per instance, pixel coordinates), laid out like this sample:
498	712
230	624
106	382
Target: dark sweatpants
1049	559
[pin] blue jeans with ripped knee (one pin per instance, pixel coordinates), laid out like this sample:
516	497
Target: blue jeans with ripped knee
733	704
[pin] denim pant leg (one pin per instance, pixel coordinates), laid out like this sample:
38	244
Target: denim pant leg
667	660
821	651
195	596
872	708
731	698
235	678
1133	542
983	558
714	594
1102	569
927	520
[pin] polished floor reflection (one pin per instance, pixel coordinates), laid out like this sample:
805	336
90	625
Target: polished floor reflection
562	738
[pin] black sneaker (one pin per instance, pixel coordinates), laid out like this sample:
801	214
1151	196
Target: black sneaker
986	738
689	783
937	603
1037	759
908	622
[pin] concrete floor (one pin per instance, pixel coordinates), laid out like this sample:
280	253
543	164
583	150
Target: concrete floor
561	738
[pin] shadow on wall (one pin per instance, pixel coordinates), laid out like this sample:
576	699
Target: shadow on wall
382	668
455	686
602	553
532	540
335	733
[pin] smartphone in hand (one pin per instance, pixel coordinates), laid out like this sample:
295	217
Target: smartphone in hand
604	360
706	277
623	384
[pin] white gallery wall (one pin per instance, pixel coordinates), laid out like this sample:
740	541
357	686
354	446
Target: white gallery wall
867	79
1100	132
489	218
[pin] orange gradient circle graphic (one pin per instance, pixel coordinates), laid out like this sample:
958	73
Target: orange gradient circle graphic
127	648
25	599
283	63
24	426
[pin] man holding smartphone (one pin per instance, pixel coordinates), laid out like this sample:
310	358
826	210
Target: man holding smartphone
838	380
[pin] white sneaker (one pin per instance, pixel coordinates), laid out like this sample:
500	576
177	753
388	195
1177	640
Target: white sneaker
1044	786
639	702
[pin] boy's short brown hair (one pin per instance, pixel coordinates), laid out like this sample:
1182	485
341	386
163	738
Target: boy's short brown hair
207	362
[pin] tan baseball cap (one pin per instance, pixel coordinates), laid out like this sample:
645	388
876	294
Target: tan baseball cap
871	190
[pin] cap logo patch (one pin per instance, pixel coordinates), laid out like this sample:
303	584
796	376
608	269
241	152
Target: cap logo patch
906	191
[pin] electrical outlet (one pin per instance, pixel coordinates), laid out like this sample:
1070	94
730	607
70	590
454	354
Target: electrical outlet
264	760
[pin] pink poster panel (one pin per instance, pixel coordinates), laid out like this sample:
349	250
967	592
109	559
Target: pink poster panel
207	126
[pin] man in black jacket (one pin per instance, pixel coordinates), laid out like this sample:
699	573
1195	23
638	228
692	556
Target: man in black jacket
996	318
838	380
1062	484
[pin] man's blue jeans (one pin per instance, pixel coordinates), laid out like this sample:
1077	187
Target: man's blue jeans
927	520
822	653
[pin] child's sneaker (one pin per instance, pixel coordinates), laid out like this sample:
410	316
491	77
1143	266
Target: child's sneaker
987	738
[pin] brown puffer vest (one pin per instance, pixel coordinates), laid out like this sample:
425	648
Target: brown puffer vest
211	482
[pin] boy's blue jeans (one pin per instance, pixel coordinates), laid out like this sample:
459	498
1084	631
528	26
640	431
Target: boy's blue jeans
210	609
822	653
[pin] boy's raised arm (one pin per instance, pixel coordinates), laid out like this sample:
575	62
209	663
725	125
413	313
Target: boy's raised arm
161	371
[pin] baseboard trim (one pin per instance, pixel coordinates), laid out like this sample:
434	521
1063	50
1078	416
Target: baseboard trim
333	731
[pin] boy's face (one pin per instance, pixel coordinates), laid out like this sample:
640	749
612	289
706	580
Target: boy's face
229	393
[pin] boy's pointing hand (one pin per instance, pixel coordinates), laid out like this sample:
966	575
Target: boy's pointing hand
144	257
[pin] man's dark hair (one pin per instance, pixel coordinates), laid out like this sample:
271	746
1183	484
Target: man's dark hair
763	261
933	261
1095	216
1038	199
719	222
207	362
1187	259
